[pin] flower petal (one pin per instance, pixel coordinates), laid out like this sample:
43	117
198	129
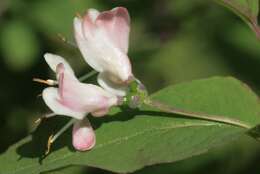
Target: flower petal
100	113
52	99
53	60
89	25
104	42
83	97
92	14
111	87
115	23
83	135
77	23
86	45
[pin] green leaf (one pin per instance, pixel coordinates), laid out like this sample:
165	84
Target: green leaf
131	139
224	159
69	170
247	9
255	132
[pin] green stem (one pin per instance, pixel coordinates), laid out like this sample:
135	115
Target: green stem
169	109
88	75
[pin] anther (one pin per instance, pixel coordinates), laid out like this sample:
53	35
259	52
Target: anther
78	15
39	95
62	37
52	138
50	141
47	82
38	121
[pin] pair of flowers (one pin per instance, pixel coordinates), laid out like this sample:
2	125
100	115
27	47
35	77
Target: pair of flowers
102	38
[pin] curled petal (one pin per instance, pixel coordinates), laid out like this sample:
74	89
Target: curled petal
93	14
77	22
83	135
86	44
115	23
88	24
52	99
53	61
83	97
76	99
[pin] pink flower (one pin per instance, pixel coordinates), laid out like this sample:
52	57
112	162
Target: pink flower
103	40
75	99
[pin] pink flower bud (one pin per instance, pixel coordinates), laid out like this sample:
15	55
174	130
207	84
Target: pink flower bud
83	136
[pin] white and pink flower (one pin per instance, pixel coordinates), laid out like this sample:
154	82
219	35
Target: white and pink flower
75	99
102	38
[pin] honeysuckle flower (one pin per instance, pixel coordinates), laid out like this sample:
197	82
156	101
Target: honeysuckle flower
102	38
75	99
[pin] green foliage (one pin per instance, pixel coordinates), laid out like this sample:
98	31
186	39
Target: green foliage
171	42
187	52
225	156
149	137
244	40
19	45
247	10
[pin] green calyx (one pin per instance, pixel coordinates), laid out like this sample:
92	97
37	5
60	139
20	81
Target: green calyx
136	94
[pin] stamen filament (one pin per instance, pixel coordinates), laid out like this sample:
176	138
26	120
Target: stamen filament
52	138
66	41
39	120
50	115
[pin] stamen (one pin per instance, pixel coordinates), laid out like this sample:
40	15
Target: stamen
50	115
49	145
78	15
66	41
39	120
47	82
39	95
52	138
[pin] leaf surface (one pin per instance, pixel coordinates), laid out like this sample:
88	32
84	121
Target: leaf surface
248	10
128	140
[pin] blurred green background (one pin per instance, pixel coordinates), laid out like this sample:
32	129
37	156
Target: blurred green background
171	41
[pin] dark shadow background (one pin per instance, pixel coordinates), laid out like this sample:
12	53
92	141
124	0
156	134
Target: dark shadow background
171	41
